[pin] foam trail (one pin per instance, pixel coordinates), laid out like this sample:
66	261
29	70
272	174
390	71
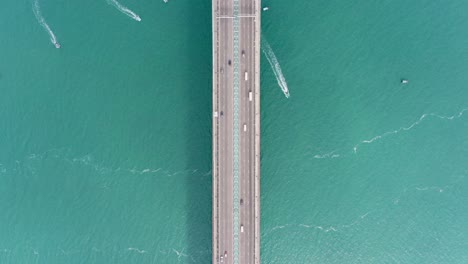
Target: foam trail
43	23
327	155
124	10
419	121
137	250
275	66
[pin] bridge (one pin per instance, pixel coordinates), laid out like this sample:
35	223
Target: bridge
236	131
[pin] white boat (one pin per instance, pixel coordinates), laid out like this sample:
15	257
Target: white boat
266	8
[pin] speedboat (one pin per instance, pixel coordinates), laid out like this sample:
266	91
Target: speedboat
57	45
266	8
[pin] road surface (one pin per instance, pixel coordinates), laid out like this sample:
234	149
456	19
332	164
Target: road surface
236	131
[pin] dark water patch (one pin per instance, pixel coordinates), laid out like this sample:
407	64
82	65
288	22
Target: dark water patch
198	128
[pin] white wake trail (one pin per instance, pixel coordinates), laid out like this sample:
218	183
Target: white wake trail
419	121
137	250
43	23
124	10
275	66
327	155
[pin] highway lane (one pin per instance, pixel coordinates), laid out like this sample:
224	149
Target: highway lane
247	85
226	136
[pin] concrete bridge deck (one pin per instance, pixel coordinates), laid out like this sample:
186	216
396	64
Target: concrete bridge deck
236	131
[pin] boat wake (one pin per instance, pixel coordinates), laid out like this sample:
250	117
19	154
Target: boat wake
275	66
124	10
43	23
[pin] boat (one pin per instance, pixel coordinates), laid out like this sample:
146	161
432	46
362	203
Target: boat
266	8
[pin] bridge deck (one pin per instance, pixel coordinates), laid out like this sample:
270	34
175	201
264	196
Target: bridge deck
236	131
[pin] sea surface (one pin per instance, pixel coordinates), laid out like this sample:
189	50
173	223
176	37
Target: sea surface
105	143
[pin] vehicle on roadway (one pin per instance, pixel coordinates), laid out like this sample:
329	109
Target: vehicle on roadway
246	75
242	228
229	62
225	254
245	127
241	201
243	54
250	96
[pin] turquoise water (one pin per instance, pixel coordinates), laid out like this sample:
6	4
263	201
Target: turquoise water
105	144
401	198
